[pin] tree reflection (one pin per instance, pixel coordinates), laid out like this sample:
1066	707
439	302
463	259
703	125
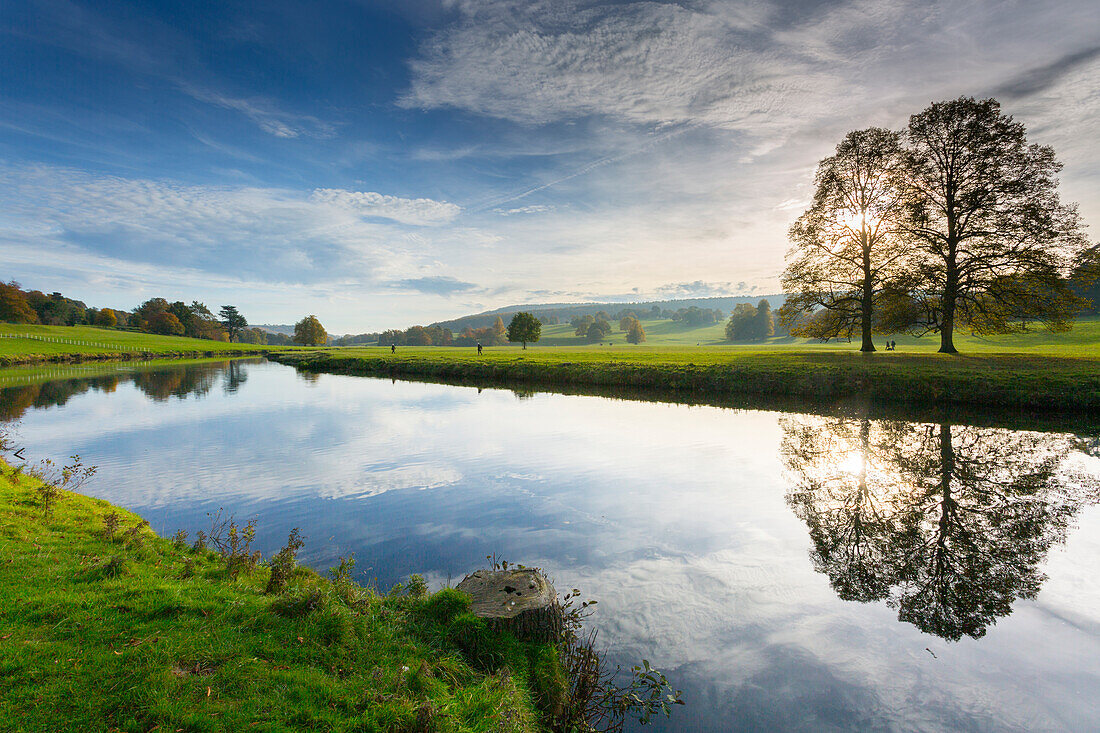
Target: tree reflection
948	524
157	384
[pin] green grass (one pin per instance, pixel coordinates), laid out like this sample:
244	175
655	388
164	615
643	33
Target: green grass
62	343
1034	370
1082	340
135	633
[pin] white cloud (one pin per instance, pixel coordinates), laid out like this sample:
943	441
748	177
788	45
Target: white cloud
406	211
265	114
534	209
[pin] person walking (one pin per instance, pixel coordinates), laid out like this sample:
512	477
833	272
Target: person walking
393	348
479	348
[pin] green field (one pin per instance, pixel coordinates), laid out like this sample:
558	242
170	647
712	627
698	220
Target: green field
1082	340
1034	370
20	344
133	632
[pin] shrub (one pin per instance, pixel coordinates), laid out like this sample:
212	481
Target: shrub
54	481
111	522
416	587
284	563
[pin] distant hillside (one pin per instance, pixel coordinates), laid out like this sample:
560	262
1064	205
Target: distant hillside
286	330
565	311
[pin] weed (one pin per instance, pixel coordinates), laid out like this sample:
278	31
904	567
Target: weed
200	542
342	584
284	563
188	569
134	535
112	568
53	481
111	521
416	587
232	542
179	539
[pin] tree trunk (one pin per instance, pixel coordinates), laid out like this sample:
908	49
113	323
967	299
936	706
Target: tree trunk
950	288
520	601
947	325
866	302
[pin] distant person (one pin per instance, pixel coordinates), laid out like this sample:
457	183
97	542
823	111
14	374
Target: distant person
893	346
393	348
479	348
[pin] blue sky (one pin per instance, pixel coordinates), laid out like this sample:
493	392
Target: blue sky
388	163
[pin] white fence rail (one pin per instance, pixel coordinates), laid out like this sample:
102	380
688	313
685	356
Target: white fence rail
70	342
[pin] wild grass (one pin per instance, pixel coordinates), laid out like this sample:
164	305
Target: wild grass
106	626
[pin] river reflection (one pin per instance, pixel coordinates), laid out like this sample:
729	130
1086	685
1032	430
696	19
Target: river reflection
677	518
949	524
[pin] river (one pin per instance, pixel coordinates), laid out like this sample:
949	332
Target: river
787	570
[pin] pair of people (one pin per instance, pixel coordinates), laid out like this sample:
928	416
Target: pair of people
891	345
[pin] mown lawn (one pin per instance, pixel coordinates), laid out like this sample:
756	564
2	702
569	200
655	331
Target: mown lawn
1082	340
28	343
123	630
1043	371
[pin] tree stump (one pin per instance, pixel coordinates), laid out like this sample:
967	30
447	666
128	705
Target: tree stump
520	601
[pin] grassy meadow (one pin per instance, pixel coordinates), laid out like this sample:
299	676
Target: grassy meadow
114	628
1031	370
1082	341
21	344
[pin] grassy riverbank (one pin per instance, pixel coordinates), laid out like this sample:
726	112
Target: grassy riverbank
23	344
124	630
1012	380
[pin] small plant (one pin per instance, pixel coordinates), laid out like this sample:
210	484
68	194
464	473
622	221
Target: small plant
113	568
416	587
284	562
134	536
200	542
111	521
179	539
595	700
342	584
237	549
188	569
54	480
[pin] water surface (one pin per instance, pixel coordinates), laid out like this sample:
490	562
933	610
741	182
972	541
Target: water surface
789	571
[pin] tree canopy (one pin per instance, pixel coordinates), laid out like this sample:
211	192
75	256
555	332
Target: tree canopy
310	332
523	328
954	222
846	245
232	319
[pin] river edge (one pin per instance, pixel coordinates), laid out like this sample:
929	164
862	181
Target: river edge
12	360
120	627
1062	386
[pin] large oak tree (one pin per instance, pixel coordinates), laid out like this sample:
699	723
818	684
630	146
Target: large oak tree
994	239
845	246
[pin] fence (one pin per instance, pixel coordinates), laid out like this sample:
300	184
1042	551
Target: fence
70	342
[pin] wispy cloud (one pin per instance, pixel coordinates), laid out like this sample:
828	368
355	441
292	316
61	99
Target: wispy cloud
534	209
265	113
423	212
701	289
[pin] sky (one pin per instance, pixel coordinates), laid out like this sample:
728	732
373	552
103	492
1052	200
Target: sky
381	164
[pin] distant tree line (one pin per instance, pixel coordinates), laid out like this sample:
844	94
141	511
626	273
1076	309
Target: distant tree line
156	315
747	323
